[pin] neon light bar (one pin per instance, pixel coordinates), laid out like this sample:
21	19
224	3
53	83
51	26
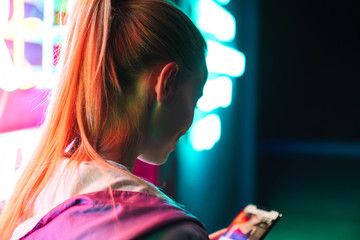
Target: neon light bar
215	20
206	132
225	60
217	93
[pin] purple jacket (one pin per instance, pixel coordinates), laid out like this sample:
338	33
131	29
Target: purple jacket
129	215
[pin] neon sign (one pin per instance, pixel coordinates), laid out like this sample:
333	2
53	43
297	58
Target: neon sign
224	63
18	73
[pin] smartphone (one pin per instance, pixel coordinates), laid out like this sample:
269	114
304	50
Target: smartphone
252	223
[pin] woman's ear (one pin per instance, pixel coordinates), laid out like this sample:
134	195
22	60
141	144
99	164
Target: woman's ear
166	81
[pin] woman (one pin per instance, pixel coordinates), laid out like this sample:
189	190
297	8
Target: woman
131	72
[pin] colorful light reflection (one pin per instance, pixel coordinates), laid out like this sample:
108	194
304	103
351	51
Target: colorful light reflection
20	31
205	132
222	27
223	60
16	149
217	93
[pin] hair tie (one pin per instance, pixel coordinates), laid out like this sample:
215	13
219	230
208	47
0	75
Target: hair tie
115	11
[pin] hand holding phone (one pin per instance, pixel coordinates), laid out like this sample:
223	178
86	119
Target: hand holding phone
252	223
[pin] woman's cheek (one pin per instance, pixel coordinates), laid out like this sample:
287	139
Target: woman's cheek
190	115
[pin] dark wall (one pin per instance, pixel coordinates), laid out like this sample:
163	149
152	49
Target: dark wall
308	118
309	70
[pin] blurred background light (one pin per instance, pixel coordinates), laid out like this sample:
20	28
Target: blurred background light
223	2
16	149
6	69
225	60
32	31
6	66
205	132
214	19
4	14
217	93
69	5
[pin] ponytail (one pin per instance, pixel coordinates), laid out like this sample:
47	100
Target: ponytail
108	44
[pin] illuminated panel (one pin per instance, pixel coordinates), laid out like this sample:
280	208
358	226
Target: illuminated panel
6	68
48	42
6	65
16	149
205	132
30	30
224	63
223	2
4	14
224	60
217	93
213	19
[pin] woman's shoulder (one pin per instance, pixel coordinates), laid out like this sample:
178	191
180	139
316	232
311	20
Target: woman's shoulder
186	230
126	215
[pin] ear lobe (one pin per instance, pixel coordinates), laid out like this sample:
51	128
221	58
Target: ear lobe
166	81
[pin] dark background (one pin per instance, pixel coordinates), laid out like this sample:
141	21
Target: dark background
307	113
309	70
308	130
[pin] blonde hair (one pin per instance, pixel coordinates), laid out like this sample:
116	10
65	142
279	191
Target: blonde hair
107	44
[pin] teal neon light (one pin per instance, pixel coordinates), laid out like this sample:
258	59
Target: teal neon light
223	2
214	19
217	93
224	60
206	132
224	63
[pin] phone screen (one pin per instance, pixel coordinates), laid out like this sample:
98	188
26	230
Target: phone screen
252	223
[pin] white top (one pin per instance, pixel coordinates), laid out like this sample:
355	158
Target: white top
70	181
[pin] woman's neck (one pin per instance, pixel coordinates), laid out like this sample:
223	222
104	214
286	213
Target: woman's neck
126	158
